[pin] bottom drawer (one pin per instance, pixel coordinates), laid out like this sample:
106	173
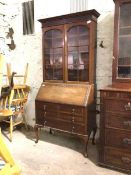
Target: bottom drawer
117	158
57	124
65	126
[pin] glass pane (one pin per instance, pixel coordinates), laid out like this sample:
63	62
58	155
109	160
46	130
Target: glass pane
58	73
72	41
124	72
125	14
48	56
54	33
72	31
73	58
48	43
48	34
83	35
83	40
83	73
58	56
57	42
83	55
78	53
53	55
72	74
124	57
83	30
124	47
48	73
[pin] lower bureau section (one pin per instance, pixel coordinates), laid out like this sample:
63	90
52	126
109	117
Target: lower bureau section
76	120
117	158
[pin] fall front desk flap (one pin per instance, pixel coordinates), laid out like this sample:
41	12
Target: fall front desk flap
73	94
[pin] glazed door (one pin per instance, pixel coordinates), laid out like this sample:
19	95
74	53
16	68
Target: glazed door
53	51
122	44
77	48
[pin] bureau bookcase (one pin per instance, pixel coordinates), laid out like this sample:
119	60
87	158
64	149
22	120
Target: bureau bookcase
65	100
115	118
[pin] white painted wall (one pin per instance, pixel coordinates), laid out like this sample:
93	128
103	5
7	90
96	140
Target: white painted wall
28	48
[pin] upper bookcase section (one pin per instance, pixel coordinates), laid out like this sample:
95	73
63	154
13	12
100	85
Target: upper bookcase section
68	47
122	42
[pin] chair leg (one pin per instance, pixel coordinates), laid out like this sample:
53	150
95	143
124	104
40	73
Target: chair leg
11	128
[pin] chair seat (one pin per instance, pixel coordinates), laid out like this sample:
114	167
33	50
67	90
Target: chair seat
6	112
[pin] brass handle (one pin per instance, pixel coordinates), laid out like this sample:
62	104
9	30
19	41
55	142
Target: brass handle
73	128
73	119
44	107
73	110
126	160
45	123
127	141
128	106
127	123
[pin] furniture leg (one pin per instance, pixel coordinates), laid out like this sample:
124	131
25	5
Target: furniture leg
36	129
85	139
94	133
51	131
11	128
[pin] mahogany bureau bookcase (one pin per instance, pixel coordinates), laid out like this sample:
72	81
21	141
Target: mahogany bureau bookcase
65	100
115	119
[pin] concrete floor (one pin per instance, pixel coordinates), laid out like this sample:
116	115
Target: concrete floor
55	154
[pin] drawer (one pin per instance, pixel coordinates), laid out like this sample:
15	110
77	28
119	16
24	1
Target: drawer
57	116
118	138
76	110
45	106
117	158
114	105
118	120
57	124
116	94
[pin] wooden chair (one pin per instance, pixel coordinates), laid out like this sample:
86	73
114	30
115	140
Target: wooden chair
6	114
1	69
13	106
19	95
10	167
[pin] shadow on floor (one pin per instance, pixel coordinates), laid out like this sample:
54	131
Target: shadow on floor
63	139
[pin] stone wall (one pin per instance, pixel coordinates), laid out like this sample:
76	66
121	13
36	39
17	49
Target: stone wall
28	48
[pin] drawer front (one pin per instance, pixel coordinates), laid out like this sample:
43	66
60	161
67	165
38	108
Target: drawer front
117	158
116	94
121	121
118	138
61	112
57	124
76	110
118	106
47	106
57	116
